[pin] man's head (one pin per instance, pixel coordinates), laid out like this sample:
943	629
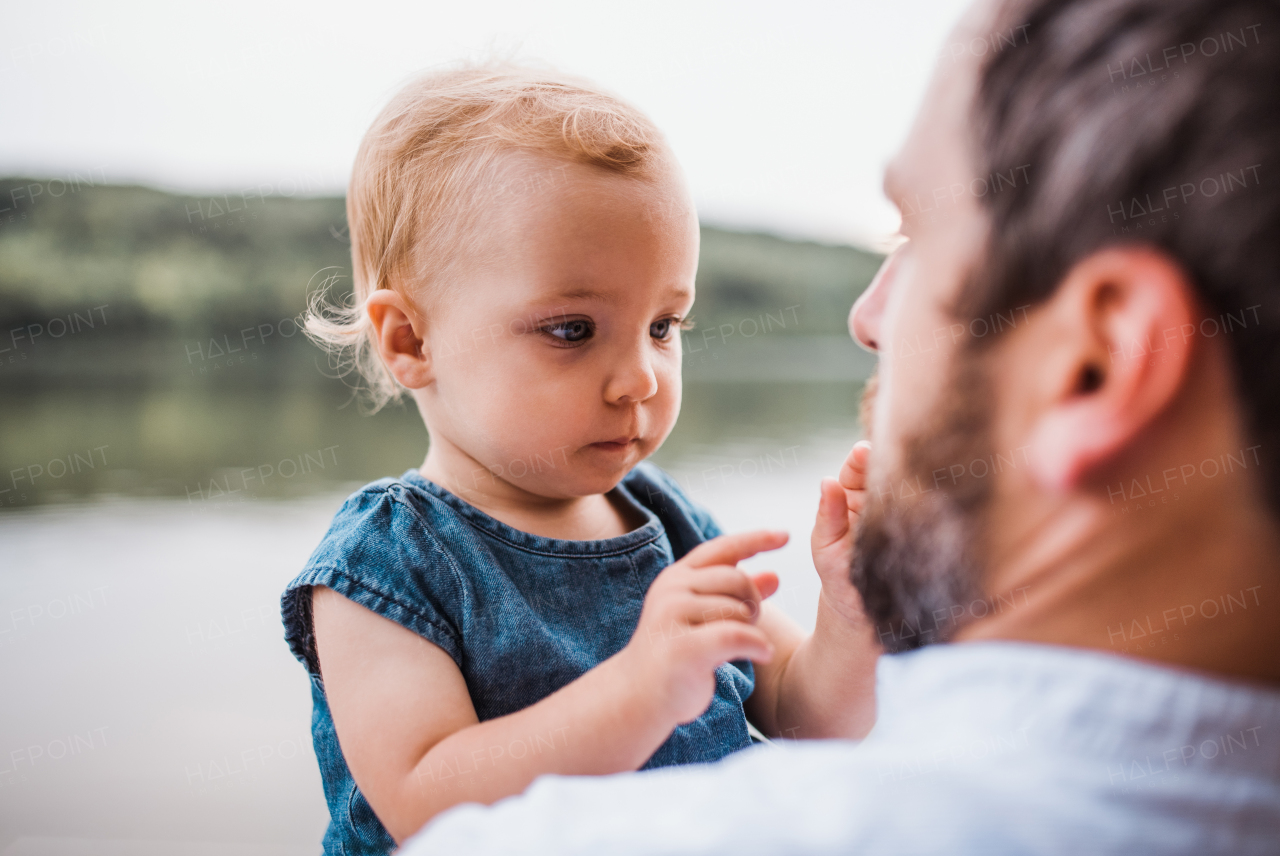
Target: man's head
1087	296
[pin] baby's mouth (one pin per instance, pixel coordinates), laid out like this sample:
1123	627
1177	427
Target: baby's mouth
617	444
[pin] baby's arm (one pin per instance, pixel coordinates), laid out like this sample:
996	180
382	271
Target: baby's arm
410	734
823	685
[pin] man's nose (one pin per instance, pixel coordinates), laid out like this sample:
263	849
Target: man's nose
868	311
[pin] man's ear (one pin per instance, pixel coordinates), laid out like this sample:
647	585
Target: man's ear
1123	322
400	338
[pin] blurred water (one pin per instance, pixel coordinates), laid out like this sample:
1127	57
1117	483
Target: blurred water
150	704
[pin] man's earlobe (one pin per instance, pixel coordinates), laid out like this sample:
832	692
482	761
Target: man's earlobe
1121	317
400	338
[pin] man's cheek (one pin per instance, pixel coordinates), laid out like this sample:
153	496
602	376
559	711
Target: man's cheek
911	383
882	475
882	404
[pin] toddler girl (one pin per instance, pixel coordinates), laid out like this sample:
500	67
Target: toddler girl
534	598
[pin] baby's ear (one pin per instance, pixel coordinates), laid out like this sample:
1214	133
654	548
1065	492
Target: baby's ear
400	343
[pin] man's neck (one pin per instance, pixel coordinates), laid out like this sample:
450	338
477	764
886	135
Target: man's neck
1190	578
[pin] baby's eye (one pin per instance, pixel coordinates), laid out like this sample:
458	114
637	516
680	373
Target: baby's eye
660	330
571	331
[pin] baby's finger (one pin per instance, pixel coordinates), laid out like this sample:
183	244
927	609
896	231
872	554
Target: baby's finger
853	473
766	582
733	640
721	579
856	500
709	608
832	522
732	549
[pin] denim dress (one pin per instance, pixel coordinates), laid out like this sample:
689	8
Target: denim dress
520	614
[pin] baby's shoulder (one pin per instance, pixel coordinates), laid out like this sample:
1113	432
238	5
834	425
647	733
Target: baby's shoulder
388	523
385	550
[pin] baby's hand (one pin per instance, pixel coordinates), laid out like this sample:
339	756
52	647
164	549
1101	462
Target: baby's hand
700	612
833	533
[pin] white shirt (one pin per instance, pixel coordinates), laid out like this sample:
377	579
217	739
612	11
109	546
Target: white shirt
981	748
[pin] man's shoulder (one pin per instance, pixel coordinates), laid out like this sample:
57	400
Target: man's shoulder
981	748
1100	747
805	797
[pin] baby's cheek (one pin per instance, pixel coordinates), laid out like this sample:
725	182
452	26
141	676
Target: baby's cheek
546	421
665	407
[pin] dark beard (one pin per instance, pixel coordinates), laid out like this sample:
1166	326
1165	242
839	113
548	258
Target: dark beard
914	564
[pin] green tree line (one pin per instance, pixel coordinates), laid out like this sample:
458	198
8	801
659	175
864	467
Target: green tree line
166	265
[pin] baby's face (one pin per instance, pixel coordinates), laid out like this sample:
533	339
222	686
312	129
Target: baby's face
556	357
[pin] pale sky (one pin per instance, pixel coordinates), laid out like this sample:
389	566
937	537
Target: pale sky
783	117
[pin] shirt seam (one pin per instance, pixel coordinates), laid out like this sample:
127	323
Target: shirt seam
430	534
622	551
337	571
465	518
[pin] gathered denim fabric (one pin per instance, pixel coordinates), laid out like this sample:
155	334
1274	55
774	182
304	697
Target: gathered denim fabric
520	614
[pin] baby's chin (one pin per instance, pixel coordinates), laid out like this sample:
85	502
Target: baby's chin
587	474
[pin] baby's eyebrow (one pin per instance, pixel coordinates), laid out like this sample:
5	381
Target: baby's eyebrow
678	292
580	294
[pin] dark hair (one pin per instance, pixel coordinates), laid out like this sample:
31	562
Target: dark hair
1144	121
